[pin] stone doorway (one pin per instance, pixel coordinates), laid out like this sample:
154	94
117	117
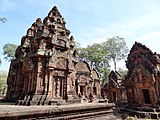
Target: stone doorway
146	96
82	90
94	91
114	96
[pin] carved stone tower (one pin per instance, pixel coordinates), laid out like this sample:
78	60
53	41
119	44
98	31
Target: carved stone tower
44	62
143	79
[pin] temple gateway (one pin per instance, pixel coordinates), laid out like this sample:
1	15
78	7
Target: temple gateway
46	69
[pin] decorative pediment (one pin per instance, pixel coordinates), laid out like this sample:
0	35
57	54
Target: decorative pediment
142	66
139	48
115	80
141	74
114	76
112	84
95	74
140	54
83	67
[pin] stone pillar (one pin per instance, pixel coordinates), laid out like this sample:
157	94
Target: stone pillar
152	93
39	86
58	87
54	87
135	94
138	95
92	84
46	87
62	90
29	83
50	82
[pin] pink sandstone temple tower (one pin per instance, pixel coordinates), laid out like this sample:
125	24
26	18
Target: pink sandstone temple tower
44	61
46	69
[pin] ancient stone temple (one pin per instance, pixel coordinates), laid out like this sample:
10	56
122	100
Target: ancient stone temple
114	90
44	68
87	81
143	80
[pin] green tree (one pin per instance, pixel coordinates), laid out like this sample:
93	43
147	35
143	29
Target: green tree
82	53
3	19
116	49
95	55
104	77
3	82
122	72
9	51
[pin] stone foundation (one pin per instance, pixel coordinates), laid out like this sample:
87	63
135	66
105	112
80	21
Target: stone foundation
73	111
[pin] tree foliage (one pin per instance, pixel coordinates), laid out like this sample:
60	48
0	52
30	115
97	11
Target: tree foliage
99	55
95	55
116	49
104	76
122	72
9	51
3	83
2	19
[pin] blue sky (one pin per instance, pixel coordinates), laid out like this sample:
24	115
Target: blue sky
90	21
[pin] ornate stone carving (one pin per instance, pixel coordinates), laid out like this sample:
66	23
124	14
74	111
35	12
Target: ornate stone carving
44	69
114	89
42	58
143	78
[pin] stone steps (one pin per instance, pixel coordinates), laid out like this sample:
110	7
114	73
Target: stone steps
141	112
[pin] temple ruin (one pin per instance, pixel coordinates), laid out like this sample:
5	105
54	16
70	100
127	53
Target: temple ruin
88	81
114	90
46	68
143	80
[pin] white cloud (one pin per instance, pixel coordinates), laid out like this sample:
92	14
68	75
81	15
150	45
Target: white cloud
143	29
151	40
140	29
152	36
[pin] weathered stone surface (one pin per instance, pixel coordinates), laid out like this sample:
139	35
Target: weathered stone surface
73	111
87	82
143	79
114	90
44	69
43	61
